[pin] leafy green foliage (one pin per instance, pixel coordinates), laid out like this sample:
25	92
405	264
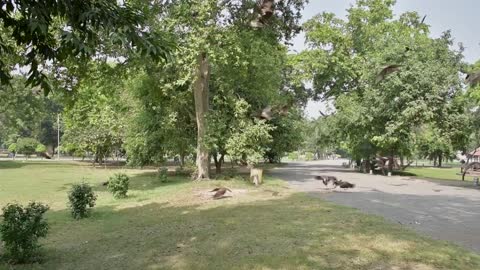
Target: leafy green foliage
26	112
26	146
250	139
96	121
381	115
61	30
81	199
293	156
118	185
40	148
12	148
20	230
163	174
286	136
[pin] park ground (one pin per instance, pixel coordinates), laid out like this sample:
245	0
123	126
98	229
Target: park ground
443	209
176	225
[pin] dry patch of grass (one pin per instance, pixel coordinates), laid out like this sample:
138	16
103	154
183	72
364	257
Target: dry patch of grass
176	225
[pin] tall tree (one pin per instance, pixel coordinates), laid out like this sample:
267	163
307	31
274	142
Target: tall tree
385	75
204	36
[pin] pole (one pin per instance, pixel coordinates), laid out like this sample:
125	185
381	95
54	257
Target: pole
58	136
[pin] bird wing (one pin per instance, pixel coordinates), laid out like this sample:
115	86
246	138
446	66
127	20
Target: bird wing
473	78
215	189
266	113
219	193
386	70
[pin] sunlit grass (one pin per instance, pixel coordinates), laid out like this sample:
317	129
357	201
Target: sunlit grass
437	173
176	225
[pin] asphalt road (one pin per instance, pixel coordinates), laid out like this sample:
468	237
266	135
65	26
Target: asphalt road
444	210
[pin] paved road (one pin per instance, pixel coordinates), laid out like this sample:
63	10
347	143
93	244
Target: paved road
445	210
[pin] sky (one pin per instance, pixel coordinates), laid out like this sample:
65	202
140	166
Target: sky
459	16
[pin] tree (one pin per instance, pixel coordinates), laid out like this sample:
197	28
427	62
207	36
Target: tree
12	148
249	140
204	28
162	118
40	148
96	119
286	136
220	59
26	146
378	114
61	30
472	101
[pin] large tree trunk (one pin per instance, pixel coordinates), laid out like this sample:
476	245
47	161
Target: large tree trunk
200	94
440	158
182	160
391	161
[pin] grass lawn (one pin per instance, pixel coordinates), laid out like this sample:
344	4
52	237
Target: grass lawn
437	173
175	225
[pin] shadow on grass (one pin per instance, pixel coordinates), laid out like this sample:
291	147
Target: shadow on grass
294	232
15	164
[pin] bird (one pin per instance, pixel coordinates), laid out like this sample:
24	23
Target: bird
326	179
105	183
473	78
424	17
387	70
322	178
264	11
219	192
346	185
343	184
267	113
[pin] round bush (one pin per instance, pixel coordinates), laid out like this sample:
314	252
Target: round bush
118	185
40	148
163	174
20	230
81	197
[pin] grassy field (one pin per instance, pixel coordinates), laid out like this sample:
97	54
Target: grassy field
437	173
176	225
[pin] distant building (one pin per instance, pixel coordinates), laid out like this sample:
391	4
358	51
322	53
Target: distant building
475	155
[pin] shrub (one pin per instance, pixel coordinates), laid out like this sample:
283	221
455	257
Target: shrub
12	148
118	185
40	148
20	230
163	174
308	156
81	198
293	156
26	146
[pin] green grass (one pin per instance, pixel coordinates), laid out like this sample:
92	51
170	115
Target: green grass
176	225
437	173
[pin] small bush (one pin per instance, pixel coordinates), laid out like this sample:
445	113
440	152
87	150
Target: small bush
12	148
20	230
293	156
309	156
118	185
81	198
40	148
163	174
